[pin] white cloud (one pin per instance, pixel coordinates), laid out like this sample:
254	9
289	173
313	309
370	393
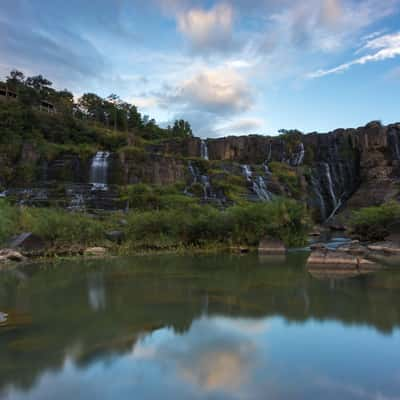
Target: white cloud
218	91
210	30
386	47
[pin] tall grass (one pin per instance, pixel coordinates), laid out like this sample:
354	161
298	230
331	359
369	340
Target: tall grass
185	225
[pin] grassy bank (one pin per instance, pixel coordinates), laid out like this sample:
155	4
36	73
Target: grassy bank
191	226
374	223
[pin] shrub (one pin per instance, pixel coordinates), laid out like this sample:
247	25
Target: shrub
371	223
8	218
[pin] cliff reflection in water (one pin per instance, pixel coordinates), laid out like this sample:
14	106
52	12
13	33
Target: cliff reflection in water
228	326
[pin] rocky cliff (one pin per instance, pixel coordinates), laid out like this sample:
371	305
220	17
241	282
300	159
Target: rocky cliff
346	167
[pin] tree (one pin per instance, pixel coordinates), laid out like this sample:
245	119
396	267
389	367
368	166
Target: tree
38	83
15	79
182	128
92	106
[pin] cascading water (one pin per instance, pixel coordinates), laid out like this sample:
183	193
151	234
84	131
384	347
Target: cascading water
204	150
330	184
203	180
99	171
258	184
299	155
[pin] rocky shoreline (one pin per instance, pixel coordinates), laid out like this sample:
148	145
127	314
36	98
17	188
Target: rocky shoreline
336	258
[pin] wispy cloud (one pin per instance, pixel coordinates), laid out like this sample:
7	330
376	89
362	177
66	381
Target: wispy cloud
384	47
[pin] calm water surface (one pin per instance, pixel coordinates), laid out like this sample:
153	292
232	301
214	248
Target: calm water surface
203	327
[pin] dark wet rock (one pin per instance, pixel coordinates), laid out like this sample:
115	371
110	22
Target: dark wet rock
317	230
271	246
115	236
337	227
10	255
318	246
28	242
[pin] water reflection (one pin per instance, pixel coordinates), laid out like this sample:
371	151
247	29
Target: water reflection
204	327
96	291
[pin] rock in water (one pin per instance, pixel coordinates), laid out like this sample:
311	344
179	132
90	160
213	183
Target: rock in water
95	251
271	246
10	255
3	317
339	260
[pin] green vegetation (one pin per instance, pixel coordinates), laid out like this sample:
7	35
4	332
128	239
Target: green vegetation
372	223
287	176
167	221
41	113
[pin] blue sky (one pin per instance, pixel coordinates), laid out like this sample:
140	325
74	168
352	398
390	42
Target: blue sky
229	67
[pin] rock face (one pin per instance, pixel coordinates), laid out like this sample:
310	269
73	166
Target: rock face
330	171
271	246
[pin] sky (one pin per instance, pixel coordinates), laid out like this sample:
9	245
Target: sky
229	67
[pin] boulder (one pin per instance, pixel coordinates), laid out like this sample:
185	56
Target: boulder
115	236
27	242
336	260
3	317
354	248
387	247
95	251
10	255
271	246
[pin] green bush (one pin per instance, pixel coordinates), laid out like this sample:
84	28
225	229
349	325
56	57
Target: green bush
53	225
201	225
371	223
8	218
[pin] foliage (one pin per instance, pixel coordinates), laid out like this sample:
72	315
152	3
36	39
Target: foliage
372	223
199	225
91	119
146	197
54	225
174	222
287	176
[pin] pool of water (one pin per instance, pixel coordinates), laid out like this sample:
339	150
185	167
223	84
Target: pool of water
213	327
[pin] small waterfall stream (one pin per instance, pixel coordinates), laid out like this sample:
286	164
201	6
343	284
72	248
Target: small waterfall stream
204	150
299	156
258	184
99	171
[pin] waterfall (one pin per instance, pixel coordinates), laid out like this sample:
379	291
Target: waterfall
269	153
258	184
247	173
299	156
204	180
330	184
206	186
204	150
99	171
